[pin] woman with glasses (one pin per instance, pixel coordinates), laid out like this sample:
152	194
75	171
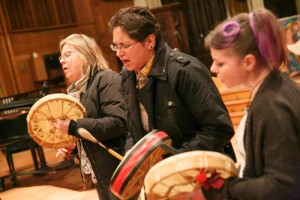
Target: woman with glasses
166	89
249	50
97	88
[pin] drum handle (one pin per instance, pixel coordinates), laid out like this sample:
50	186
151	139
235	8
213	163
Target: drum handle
87	135
169	149
112	152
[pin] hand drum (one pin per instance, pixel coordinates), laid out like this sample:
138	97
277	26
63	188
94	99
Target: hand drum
45	111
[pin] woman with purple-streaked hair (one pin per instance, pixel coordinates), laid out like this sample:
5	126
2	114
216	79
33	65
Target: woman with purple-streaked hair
249	50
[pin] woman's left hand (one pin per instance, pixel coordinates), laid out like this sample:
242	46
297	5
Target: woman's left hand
62	125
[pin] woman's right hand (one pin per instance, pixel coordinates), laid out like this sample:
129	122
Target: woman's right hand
66	152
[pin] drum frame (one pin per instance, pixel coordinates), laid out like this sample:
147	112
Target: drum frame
159	182
129	167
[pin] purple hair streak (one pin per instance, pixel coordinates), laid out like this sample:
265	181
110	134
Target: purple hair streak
263	40
230	30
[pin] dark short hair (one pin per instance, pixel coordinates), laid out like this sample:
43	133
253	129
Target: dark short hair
137	22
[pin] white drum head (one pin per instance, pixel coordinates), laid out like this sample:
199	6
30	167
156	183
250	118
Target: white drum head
45	111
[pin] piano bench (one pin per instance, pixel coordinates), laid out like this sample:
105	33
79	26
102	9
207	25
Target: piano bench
26	144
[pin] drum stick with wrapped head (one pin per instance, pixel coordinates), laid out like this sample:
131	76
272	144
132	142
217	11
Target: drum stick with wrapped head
87	135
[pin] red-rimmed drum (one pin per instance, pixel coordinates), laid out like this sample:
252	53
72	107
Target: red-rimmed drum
128	178
45	111
176	177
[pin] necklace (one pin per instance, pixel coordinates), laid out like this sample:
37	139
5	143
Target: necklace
253	92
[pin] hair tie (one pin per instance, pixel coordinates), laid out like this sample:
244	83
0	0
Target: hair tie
231	29
264	39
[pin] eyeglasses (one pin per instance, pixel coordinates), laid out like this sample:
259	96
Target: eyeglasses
66	56
115	47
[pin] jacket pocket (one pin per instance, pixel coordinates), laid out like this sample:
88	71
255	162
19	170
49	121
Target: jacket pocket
175	124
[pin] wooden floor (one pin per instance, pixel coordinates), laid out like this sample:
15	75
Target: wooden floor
55	185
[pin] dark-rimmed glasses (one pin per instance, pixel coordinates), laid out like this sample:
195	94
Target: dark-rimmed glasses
115	47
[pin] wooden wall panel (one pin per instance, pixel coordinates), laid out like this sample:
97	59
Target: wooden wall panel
38	67
83	11
26	47
172	24
44	41
28	15
24	73
201	17
28	55
103	11
237	7
7	83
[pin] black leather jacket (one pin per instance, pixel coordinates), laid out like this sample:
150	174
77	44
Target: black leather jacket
180	99
106	121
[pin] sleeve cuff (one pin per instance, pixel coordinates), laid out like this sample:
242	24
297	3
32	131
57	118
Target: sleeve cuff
73	129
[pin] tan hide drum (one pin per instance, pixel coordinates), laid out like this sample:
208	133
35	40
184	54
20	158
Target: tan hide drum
45	111
128	178
176	176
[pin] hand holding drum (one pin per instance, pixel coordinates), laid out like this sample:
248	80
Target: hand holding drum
183	176
45	112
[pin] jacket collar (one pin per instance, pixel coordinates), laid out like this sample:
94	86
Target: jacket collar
159	66
269	78
92	75
158	69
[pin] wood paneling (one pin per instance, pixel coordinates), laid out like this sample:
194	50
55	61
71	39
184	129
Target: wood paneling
66	179
172	23
28	56
236	7
102	12
39	67
1	31
201	17
48	192
28	15
33	28
7	83
44	41
29	71
84	11
24	73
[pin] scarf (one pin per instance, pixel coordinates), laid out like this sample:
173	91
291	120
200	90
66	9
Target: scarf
75	89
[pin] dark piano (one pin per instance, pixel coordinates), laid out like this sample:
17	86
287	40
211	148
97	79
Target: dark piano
14	136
